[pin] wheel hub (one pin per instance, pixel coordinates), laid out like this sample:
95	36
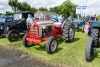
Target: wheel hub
53	45
14	35
71	33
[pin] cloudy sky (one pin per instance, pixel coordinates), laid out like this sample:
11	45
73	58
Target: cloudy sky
93	5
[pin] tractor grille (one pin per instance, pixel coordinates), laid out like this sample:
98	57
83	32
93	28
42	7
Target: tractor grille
34	31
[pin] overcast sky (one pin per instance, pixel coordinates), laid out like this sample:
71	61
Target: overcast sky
93	5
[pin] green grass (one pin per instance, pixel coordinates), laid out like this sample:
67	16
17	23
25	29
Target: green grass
67	55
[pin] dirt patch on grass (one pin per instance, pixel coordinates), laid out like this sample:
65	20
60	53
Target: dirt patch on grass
11	57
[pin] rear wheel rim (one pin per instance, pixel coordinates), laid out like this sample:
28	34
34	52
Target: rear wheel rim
71	33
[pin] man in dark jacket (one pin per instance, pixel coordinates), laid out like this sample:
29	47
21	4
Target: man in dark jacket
90	20
93	17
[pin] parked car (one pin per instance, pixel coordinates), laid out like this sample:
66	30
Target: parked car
13	29
5	15
4	20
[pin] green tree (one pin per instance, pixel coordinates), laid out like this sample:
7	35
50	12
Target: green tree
51	9
14	4
0	14
98	17
43	9
67	8
54	9
33	9
9	13
24	6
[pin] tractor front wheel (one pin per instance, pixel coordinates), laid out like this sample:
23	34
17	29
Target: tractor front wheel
89	52
51	45
13	35
25	42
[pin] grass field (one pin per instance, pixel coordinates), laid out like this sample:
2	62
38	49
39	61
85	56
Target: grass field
67	55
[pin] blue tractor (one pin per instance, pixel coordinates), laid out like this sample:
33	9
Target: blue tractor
79	22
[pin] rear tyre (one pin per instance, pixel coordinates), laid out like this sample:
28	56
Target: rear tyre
89	52
68	32
25	42
13	35
51	45
95	35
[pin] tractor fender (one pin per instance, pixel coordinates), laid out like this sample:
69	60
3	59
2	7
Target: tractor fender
15	27
63	24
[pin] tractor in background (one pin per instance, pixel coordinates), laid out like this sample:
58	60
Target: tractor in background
93	42
48	30
77	23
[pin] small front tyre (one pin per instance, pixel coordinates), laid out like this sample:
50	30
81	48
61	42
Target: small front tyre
89	52
25	42
51	45
13	35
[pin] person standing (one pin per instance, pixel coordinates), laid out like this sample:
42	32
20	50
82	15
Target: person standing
29	20
96	19
93	17
60	19
86	28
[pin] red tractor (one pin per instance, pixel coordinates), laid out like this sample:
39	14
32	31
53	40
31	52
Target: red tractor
48	30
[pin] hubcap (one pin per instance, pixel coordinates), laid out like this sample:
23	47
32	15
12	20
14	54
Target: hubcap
14	36
53	45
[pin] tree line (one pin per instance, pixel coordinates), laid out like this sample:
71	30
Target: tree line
66	9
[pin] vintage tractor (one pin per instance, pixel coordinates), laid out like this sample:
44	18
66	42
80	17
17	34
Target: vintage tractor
48	30
77	23
93	42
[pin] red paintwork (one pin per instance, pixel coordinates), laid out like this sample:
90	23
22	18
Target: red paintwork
75	25
41	21
33	37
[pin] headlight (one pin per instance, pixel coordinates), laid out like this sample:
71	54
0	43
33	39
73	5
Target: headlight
7	28
44	26
1	27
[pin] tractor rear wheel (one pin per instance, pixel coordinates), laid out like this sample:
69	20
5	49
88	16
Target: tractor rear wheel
95	35
89	52
68	32
13	35
25	43
51	45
